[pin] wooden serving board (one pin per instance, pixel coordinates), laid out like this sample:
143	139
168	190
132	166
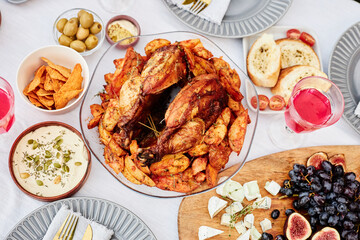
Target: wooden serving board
193	211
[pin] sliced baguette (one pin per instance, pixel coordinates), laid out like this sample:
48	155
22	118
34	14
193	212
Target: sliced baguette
296	52
291	75
263	61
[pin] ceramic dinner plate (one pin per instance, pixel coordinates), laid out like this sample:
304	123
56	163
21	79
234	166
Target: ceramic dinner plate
344	71
243	17
278	32
125	224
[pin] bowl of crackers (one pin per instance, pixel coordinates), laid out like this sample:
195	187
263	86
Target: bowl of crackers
53	79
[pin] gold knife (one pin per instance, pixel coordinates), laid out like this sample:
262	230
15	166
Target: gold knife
88	233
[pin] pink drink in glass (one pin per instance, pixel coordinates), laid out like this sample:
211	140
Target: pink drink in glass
6	106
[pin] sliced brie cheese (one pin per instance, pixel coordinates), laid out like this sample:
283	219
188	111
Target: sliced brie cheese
240	228
249	220
220	189
234	208
234	190
262	203
272	187
254	234
265	225
215	205
208	232
226	220
244	236
251	190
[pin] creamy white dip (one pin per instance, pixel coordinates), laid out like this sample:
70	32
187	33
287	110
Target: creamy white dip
50	161
126	25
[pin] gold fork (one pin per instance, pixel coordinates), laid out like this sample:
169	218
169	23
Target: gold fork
199	5
67	229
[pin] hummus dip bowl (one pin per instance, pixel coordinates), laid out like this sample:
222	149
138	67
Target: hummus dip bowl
49	161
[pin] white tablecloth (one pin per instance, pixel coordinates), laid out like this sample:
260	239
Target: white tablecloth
28	26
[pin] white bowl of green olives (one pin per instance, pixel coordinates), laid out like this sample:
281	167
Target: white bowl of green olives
80	29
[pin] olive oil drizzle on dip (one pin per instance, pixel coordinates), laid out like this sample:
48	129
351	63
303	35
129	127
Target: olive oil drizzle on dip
50	161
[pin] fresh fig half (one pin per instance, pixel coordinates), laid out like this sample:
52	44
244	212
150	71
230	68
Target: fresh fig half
297	227
316	159
338	159
327	233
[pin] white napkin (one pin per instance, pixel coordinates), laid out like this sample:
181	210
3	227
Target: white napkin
214	12
357	110
100	232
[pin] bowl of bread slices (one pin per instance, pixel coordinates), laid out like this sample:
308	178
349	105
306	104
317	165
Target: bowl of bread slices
276	60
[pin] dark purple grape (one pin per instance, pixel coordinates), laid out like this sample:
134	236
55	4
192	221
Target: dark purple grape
344	233
323	223
296	167
296	204
333	220
330	209
326	186
303	201
275	214
342	199
286	182
337	188
319	199
341	208
267	236
352	235
313	221
289	211
326	166
349	192
324	175
334	203
348	225
324	216
316	187
311	211
303	194
288	192
304	186
353	185
310	170
338	171
349	176
280	237
340	181
351	216
318	210
330	196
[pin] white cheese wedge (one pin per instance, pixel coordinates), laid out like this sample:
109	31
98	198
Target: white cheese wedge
215	205
245	236
220	189
265	225
208	232
272	187
249	220
234	190
262	203
234	208
254	234
251	190
226	220
240	228
357	110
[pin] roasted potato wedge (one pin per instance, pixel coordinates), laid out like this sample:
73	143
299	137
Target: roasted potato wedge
224	117
115	148
137	173
175	183
211	175
155	44
170	164
219	154
187	175
111	115
105	136
96	110
114	161
94	122
133	148
191	43
119	63
130	177
200	177
237	132
198	165
231	87
215	134
199	150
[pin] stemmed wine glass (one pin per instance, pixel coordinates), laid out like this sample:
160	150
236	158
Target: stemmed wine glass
315	102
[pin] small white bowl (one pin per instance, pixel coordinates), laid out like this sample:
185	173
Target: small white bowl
59	55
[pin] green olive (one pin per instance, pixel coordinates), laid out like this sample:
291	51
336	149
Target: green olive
61	24
82	33
95	28
81	13
70	28
86	20
91	42
75	19
78	45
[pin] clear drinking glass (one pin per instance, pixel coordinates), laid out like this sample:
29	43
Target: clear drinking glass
315	102
6	106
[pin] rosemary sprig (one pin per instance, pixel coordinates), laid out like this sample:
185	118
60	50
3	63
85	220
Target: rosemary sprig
152	126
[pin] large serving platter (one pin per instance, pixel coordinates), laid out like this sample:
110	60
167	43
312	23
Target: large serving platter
243	18
193	211
125	224
106	65
344	71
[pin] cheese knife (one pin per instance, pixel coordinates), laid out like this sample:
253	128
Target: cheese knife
88	233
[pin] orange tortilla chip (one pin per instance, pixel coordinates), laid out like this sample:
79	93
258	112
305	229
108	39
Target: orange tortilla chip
35	102
33	95
57	85
74	81
46	102
48	85
54	74
49	97
63	70
62	98
37	79
43	92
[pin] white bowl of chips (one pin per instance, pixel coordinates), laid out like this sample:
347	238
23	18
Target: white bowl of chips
53	78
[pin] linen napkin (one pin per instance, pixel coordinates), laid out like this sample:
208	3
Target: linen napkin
357	110
100	232
214	12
